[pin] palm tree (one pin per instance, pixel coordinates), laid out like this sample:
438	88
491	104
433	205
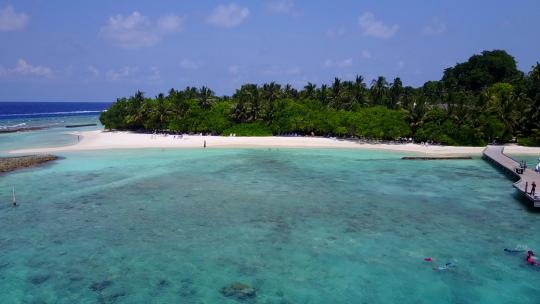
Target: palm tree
501	102
379	90
290	92
247	104
135	111
359	91
416	113
271	91
532	103
323	94
160	112
269	94
309	91
347	100
336	87
177	105
190	92
206	98
335	93
396	91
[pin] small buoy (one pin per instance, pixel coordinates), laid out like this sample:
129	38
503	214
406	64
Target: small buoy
428	259
14	199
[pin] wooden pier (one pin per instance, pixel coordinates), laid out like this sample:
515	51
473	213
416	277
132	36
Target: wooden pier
524	177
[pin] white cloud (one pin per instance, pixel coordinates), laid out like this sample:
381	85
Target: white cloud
365	54
228	16
155	74
282	7
93	70
336	32
122	73
276	70
234	69
188	64
345	63
25	69
370	26
136	30
435	28
170	24
11	20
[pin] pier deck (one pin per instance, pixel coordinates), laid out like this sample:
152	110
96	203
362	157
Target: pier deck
496	155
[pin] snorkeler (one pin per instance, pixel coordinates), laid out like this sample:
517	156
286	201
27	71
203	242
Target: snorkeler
445	267
516	249
531	259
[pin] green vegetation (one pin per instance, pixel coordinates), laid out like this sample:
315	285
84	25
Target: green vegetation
249	129
484	99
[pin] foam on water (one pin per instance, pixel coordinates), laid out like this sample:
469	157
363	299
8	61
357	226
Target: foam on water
299	225
48	114
12	126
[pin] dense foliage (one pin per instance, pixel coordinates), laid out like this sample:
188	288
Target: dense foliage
484	99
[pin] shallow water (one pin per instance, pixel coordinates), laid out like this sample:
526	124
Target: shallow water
299	225
53	135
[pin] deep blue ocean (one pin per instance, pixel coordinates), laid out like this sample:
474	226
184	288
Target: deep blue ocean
12	110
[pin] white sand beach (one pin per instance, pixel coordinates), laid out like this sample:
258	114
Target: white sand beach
101	140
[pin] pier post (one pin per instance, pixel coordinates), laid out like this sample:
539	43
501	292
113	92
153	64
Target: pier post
526	187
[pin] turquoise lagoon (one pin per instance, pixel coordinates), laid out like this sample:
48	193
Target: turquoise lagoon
299	225
53	135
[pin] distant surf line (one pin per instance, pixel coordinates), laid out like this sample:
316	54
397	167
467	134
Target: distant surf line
49	113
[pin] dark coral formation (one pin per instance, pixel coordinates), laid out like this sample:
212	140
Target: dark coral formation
100	286
239	291
8	164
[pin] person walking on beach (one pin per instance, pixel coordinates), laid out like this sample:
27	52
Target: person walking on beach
204	144
533	188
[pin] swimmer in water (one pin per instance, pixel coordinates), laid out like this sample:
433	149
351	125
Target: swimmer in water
515	250
531	259
445	267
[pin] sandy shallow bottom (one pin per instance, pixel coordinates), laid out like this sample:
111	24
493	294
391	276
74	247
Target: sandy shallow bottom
298	225
100	140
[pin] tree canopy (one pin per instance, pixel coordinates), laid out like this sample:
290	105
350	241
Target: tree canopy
483	99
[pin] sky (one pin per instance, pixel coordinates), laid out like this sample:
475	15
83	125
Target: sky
53	50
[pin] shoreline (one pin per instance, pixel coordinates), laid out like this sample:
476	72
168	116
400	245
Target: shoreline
102	140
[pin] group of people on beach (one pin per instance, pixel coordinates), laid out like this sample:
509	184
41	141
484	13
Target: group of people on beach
181	136
155	135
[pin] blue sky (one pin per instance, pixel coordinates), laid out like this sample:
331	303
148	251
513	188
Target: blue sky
100	50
